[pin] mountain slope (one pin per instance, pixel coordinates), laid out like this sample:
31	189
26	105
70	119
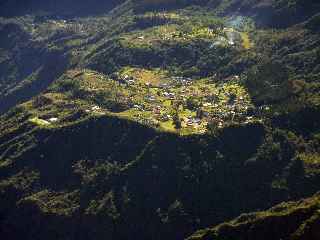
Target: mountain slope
292	220
163	181
270	13
157	119
69	7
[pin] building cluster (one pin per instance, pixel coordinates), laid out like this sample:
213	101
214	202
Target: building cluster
218	107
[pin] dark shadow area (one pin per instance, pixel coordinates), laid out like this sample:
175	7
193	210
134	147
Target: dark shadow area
58	8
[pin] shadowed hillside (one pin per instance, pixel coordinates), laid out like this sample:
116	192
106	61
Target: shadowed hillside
69	8
292	220
155	119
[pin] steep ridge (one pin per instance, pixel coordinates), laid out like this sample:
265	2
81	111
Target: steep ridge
128	180
267	13
27	65
39	46
291	220
270	13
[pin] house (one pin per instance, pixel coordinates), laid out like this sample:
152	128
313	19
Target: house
163	85
138	107
248	120
189	122
131	81
207	104
96	108
157	110
210	31
150	98
197	120
171	95
53	120
165	117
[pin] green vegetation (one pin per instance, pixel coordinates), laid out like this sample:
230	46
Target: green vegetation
161	118
297	220
39	122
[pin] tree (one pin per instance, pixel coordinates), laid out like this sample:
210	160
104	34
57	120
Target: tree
295	176
192	103
200	113
268	82
176	120
212	126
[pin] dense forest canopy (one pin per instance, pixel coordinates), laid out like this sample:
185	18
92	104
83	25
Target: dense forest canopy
160	119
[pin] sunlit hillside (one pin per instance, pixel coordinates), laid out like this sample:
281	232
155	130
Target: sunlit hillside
146	119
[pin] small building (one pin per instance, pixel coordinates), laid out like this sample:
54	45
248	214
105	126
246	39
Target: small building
163	85
171	96
131	82
197	120
165	117
207	104
150	98
53	120
190	123
96	108
157	110
138	107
